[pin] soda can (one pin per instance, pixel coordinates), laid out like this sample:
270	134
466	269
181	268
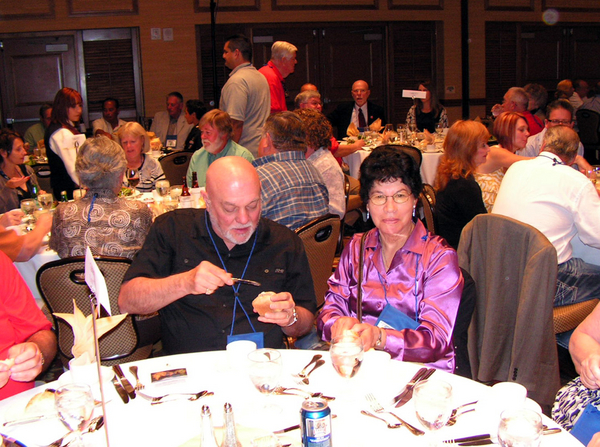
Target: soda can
315	423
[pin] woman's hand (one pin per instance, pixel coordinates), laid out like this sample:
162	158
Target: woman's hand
17	182
369	335
590	372
341	325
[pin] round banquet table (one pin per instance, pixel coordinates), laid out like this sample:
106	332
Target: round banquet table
177	423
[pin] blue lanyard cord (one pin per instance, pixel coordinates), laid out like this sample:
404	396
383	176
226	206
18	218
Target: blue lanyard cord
235	287
383	286
92	207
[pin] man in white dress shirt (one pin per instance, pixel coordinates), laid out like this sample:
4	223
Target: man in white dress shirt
170	126
562	203
110	121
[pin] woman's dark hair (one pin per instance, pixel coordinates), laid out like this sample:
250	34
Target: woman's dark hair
435	102
195	107
7	139
389	163
65	98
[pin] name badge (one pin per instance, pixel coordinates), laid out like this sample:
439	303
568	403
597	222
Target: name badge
256	337
392	318
171	141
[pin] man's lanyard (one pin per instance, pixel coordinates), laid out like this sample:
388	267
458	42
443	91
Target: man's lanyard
235	286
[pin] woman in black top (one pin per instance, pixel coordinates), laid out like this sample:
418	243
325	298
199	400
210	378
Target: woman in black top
194	111
428	112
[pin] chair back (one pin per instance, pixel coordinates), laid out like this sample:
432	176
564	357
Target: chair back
412	151
426	208
460	335
60	282
175	166
511	337
320	238
42	172
588	122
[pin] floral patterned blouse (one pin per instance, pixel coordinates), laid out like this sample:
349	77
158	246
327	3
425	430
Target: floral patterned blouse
490	184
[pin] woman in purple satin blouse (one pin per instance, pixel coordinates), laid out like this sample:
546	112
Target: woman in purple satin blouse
411	285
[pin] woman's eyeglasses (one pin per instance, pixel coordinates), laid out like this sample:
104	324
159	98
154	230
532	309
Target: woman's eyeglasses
381	199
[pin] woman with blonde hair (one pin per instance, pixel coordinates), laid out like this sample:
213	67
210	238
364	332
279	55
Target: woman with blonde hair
458	194
511	130
136	143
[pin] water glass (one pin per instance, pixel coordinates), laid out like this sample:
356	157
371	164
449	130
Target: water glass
264	369
162	188
433	405
46	200
346	353
520	427
175	192
75	405
28	206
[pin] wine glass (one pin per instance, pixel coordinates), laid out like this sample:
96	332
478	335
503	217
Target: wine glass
433	405
264	369
75	405
439	129
346	353
46	200
162	188
133	177
28	207
520	427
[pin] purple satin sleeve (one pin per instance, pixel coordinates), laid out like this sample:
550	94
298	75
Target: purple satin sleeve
433	263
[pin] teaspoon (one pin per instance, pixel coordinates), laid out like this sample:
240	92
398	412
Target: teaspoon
366	413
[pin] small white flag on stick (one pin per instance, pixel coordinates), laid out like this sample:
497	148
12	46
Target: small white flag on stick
95	281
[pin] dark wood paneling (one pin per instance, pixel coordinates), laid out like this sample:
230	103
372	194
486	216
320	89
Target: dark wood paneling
228	5
26	9
416	4
500	61
84	8
295	5
509	5
571	5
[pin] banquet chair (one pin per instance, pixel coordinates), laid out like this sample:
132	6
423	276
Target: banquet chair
511	337
567	318
588	122
425	208
410	150
62	281
460	334
175	166
320	238
42	172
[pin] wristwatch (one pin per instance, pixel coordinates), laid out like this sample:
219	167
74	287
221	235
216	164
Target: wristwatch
294	317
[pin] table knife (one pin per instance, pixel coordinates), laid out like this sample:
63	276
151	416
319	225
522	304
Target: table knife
410	384
120	390
126	383
408	393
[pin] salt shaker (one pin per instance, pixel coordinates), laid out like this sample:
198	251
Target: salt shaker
230	438
207	436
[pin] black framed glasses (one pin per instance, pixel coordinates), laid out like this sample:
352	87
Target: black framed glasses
560	122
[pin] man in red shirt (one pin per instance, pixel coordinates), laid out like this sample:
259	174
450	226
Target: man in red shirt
282	64
516	99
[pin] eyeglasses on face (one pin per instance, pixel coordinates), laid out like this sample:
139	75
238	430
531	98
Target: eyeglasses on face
560	122
381	199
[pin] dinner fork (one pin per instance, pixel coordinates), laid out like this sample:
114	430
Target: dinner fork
138	385
377	408
159	399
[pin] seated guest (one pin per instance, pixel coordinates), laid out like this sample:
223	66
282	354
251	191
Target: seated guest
22	248
35	133
593	103
511	131
136	144
459	197
110	122
217	141
318	139
407	272
360	111
199	304
194	111
170	125
292	190
60	142
26	339
517	100
17	180
562	203
108	224
572	399
538	97
427	113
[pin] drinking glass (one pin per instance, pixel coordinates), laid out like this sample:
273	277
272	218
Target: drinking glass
264	369
520	427
439	129
75	405
346	353
46	200
433	405
28	207
175	192
133	177
162	188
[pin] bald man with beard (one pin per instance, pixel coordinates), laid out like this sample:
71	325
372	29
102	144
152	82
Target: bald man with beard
185	269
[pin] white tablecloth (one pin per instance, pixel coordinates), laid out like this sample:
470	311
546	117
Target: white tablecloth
176	423
428	166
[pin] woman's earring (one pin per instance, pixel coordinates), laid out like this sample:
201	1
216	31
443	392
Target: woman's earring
368	215
414	211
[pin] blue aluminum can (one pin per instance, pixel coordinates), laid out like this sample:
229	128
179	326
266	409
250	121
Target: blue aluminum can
315	423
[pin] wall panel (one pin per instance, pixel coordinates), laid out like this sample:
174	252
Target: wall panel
26	9
81	8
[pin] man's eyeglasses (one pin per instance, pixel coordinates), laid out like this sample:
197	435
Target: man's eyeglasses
381	199
560	122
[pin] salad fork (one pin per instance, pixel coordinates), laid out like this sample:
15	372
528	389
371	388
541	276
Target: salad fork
377	408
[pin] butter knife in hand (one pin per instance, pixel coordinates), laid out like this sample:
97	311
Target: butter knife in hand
408	393
126	383
120	390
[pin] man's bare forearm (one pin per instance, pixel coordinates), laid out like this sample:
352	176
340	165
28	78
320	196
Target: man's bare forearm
303	325
46	342
147	295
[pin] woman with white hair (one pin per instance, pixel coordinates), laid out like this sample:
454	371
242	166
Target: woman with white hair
108	224
136	143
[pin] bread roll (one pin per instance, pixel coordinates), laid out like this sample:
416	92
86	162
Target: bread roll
41	403
262	303
8	362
